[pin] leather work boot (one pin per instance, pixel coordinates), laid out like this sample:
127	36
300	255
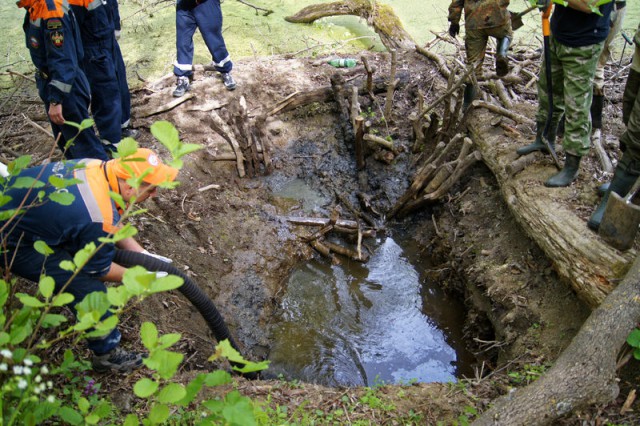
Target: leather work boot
182	86
596	111
621	184
538	144
568	173
228	81
502	60
468	96
128	132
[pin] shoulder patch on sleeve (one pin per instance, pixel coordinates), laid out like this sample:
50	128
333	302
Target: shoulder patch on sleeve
54	24
57	38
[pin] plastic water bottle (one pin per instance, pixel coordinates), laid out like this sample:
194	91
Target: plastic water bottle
342	62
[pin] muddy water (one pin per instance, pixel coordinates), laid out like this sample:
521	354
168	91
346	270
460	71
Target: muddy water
361	324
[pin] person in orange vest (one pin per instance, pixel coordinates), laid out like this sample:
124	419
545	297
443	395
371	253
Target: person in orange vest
53	39
67	229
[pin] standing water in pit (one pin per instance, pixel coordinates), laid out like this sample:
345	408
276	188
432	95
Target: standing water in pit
355	324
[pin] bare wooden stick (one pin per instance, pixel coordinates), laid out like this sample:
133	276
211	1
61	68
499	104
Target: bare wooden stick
499	110
370	71
352	254
359	141
439	60
166	107
605	161
321	221
37	126
355	106
225	131
380	141
448	93
391	87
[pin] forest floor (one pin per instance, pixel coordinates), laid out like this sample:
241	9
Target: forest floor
232	238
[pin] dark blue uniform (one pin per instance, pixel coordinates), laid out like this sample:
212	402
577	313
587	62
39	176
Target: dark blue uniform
66	229
101	53
53	41
121	72
206	16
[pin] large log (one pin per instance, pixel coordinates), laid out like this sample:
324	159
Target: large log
579	255
380	16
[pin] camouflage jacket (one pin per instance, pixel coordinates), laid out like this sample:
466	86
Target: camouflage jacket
479	13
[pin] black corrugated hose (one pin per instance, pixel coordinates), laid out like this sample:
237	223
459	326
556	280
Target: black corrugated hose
191	291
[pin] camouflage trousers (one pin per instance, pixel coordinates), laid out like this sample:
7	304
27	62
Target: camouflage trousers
617	17
572	74
475	43
630	139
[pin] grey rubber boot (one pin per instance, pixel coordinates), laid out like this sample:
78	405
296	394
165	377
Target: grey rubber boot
469	95
596	111
621	184
502	60
568	173
538	144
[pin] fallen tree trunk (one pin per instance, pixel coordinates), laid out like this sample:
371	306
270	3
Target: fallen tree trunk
585	373
579	256
380	16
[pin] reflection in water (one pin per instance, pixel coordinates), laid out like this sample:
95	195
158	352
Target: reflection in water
360	324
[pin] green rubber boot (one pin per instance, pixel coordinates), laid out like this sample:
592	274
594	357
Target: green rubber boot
568	173
469	95
538	144
502	60
596	111
621	183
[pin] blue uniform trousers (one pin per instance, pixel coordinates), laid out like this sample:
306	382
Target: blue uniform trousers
106	107
207	17
26	264
75	108
125	96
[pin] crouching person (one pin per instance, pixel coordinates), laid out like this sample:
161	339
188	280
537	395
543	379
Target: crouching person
67	229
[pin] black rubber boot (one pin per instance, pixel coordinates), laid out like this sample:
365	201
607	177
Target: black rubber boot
596	111
538	144
469	95
568	173
621	184
502	60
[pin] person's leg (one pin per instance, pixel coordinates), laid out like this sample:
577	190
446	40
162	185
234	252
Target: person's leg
30	264
185	28
208	15
475	42
125	95
100	70
579	64
503	36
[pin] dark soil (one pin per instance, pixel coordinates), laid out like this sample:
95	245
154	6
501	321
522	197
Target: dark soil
234	242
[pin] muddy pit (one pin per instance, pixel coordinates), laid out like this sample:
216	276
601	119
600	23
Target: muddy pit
236	244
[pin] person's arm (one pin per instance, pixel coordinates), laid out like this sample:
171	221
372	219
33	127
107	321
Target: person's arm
129	244
115	273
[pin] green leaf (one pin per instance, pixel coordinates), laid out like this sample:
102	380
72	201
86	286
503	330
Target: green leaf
167	134
144	388
24	182
238	409
17	165
83	405
53	320
62	299
70	415
4	199
170	282
62	197
92	419
4	292
82	256
172	393
192	389
164	362
634	338
131	420
42	248
60	183
149	335
159	414
168	340
67	265
126	147
118	296
138	280
217	378
30	301
46	286
4	338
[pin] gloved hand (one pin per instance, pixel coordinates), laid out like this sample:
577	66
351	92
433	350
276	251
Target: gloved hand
117	34
543	4
157	256
454	29
160	274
